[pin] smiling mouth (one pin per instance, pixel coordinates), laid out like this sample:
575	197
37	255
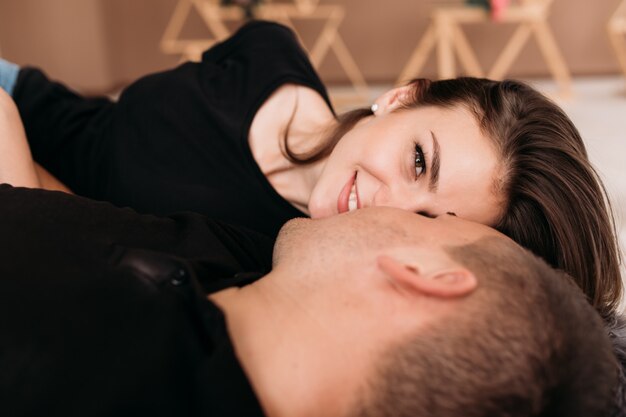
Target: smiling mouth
353	203
349	196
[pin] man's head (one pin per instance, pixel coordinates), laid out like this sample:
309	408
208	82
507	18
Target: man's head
444	317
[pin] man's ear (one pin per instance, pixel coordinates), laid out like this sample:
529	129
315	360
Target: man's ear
444	283
392	99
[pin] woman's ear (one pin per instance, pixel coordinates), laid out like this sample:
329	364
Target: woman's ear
392	99
444	283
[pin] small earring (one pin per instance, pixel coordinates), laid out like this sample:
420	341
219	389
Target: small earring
374	108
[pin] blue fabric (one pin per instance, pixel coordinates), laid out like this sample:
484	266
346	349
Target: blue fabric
8	75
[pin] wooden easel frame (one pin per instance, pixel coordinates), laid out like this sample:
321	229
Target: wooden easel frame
616	29
445	33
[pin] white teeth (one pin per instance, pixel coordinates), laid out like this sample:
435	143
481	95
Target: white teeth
352	203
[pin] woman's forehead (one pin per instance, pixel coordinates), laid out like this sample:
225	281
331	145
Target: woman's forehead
468	168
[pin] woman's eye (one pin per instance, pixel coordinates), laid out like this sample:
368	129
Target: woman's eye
420	162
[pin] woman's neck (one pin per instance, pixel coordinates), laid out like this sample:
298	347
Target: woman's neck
300	117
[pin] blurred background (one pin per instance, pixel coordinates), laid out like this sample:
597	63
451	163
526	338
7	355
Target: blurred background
99	46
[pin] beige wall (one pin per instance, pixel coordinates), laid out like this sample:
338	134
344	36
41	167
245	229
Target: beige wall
67	38
96	45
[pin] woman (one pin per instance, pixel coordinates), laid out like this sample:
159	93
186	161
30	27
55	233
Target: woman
249	136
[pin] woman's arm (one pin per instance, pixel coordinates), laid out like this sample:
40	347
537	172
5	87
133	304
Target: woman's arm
49	181
63	128
16	163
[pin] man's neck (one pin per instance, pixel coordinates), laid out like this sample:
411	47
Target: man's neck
293	365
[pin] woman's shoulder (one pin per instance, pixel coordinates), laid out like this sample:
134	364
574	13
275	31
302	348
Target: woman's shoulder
248	67
265	27
259	37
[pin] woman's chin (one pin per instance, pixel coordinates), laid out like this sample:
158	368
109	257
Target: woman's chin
317	212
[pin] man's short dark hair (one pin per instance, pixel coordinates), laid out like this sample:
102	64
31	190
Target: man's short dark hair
616	328
527	343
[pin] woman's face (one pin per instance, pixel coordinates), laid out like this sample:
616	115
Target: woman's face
428	160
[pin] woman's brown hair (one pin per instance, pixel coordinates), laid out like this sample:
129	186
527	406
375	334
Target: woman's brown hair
556	204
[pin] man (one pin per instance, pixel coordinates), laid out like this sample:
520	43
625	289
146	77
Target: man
375	313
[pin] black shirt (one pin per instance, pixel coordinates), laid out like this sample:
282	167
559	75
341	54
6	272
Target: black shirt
103	311
175	140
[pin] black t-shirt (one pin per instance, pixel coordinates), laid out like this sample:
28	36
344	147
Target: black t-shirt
175	140
103	311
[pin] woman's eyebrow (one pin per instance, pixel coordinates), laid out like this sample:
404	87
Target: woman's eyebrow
433	181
